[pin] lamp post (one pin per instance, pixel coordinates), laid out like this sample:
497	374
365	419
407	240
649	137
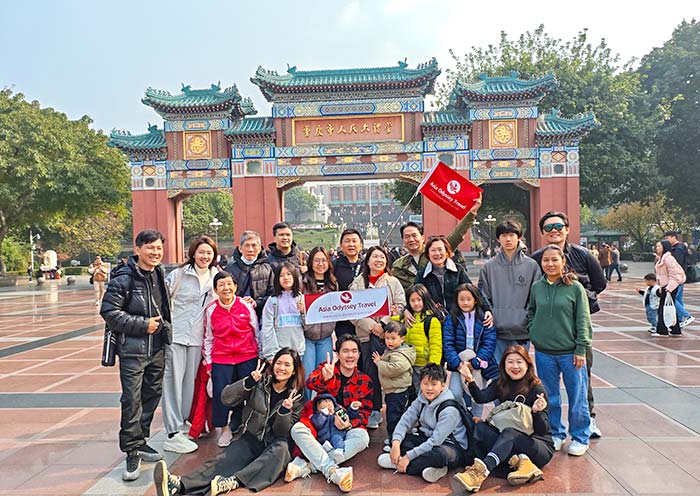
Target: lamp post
490	221
475	232
216	224
32	238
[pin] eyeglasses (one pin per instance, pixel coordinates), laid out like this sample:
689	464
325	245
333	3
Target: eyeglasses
550	227
322	261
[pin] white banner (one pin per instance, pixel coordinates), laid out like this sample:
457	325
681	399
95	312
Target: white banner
346	305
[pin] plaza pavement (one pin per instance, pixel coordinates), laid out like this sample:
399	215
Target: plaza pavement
59	410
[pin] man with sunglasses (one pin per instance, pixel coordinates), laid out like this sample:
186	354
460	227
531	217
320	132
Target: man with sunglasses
555	231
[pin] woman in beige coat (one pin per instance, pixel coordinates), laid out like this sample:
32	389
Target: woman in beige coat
669	275
375	274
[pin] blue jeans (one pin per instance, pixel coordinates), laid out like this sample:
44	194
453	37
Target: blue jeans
356	440
549	369
314	355
651	315
680	308
502	344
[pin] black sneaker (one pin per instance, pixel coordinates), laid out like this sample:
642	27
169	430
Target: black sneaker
133	466
166	483
149	454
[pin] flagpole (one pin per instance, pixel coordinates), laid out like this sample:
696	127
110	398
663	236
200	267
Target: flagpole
418	188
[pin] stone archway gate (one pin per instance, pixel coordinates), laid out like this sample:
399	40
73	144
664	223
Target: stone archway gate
348	124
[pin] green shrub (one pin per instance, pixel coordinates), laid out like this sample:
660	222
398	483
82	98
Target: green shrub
15	254
75	271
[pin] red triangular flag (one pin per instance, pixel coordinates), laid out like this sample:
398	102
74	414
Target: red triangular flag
449	191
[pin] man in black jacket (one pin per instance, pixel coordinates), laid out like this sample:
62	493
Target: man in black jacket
136	306
250	268
555	231
284	249
680	253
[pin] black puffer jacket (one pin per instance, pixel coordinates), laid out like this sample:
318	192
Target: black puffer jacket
276	257
262	420
254	280
127	306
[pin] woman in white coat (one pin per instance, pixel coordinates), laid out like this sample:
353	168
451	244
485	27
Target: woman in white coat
190	288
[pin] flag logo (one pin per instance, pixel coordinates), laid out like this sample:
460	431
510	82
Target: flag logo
346	297
453	187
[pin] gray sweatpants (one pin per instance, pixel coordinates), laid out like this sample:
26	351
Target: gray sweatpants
181	364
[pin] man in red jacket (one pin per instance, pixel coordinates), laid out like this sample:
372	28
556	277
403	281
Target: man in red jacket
351	389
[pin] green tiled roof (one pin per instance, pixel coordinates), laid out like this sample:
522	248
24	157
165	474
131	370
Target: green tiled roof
553	126
124	140
396	77
252	126
213	99
445	118
504	88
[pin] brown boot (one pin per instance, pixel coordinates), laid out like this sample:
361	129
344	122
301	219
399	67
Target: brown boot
473	477
524	470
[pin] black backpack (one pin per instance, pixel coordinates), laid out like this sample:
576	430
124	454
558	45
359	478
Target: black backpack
467	420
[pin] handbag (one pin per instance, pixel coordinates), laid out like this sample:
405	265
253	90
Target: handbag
109	348
669	311
514	414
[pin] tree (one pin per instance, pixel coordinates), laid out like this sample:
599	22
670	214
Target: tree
298	200
617	160
645	222
52	167
95	234
402	192
199	210
672	82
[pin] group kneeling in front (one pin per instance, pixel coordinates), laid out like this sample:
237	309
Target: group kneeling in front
435	433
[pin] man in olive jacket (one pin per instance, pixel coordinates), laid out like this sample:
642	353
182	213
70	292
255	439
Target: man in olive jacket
136	307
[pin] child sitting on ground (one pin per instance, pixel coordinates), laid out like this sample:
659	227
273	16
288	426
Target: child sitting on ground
323	420
441	438
395	368
651	299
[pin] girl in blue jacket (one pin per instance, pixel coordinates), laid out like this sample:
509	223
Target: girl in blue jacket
464	332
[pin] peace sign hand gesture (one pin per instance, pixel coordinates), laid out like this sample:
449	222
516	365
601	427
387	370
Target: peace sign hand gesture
256	374
288	403
540	404
328	369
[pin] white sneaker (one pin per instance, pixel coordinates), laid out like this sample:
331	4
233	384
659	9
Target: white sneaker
342	477
225	438
297	468
179	443
375	418
384	461
595	430
577	449
687	321
434	474
557	443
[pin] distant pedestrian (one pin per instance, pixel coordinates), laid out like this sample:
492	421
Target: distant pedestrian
614	263
100	274
651	299
670	277
605	260
681	254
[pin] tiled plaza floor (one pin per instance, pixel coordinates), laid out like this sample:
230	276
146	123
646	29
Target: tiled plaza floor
59	409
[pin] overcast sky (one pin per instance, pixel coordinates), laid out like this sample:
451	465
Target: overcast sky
97	58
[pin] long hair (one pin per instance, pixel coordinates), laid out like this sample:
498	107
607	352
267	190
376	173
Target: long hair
479	306
309	280
196	242
504	384
568	276
297	379
428	302
665	246
364	271
277	287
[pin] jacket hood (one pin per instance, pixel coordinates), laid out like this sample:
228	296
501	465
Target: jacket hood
518	256
449	265
442	397
324	396
407	350
275	252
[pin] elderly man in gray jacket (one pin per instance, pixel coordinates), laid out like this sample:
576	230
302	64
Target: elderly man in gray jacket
505	283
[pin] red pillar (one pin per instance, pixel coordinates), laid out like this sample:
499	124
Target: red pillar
558	194
257	206
152	209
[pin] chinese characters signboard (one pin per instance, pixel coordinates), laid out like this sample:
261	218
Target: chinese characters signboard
347	129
